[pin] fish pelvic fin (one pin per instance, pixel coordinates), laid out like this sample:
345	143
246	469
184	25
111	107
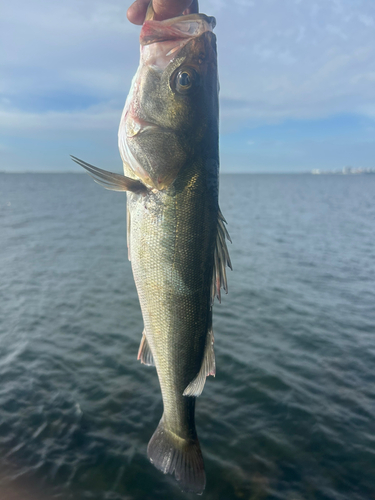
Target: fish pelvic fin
221	260
172	454
144	352
208	367
111	181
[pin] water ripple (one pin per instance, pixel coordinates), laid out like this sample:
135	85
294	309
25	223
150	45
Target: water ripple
290	414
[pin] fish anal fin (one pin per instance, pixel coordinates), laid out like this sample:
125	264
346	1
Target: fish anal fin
144	352
221	259
208	367
112	181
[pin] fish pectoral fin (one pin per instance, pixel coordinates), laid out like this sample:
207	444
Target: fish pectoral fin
208	367
221	259
110	180
144	352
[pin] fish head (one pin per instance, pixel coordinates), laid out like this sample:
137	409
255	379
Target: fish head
173	102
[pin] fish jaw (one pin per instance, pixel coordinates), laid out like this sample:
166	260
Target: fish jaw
176	29
163	50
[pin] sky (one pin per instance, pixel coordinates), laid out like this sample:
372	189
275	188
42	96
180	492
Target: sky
297	83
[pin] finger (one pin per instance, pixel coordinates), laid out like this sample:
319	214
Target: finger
165	9
137	11
193	9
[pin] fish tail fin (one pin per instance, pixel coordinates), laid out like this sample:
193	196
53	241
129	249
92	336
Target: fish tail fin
183	457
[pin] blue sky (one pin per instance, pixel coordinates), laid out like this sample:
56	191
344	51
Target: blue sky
297	83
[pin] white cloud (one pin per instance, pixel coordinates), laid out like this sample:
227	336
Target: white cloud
71	45
275	54
336	30
295	59
99	118
366	20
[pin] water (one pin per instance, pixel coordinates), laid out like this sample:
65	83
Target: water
290	414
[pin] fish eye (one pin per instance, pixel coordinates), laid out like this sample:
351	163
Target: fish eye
185	80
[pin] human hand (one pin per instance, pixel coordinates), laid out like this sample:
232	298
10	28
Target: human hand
163	9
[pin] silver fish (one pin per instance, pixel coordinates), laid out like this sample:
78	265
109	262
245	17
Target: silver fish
168	141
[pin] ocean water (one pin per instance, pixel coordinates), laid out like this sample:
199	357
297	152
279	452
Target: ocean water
291	412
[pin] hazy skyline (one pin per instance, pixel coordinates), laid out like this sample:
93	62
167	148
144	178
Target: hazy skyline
297	83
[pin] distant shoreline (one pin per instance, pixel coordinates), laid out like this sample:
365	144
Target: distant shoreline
344	171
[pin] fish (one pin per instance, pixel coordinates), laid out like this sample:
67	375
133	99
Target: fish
176	234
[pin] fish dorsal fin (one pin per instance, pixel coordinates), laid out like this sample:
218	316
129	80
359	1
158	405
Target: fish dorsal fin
109	180
144	352
208	367
221	259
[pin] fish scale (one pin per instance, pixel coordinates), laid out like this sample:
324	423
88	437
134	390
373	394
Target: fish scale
168	140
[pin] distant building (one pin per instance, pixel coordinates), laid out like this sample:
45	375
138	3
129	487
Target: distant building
345	171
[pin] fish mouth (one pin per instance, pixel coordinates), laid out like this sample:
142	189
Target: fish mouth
135	126
178	29
161	41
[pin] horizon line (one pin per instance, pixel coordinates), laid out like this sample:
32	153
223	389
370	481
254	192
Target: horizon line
83	172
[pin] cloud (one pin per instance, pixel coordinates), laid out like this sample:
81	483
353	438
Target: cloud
67	66
366	20
52	122
296	60
85	46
